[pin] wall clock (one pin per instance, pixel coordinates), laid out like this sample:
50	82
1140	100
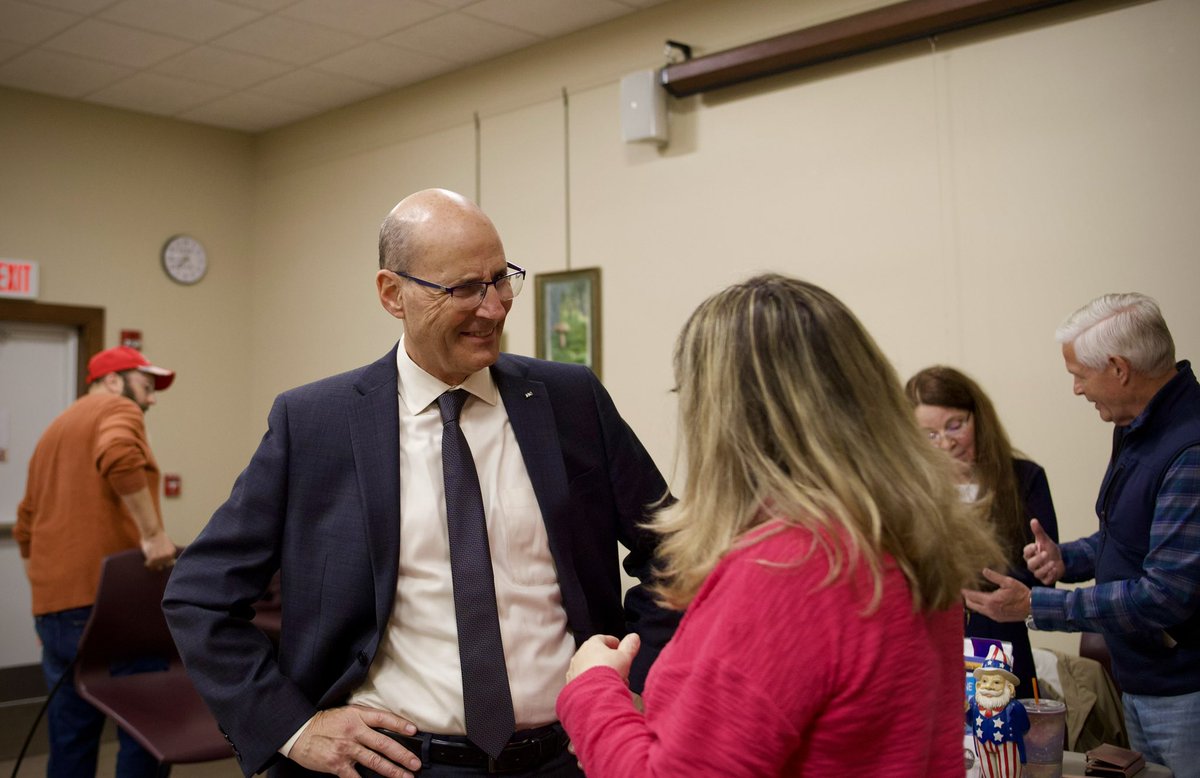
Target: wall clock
184	259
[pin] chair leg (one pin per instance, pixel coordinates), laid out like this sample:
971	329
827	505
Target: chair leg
164	770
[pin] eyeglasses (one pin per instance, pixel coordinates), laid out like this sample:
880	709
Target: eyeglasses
470	296
954	429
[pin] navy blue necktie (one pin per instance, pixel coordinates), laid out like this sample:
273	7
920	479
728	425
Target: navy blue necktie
486	696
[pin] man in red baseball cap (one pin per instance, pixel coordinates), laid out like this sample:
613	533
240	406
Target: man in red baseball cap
92	491
122	358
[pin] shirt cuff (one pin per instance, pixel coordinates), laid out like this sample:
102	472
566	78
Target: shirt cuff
1047	609
286	748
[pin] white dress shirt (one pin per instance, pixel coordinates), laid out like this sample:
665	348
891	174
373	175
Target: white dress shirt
416	672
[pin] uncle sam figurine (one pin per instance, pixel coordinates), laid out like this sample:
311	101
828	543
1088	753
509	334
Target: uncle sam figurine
998	720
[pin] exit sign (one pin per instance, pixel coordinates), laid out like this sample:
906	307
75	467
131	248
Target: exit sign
18	278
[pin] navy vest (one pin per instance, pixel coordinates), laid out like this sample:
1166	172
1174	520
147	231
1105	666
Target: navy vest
1142	453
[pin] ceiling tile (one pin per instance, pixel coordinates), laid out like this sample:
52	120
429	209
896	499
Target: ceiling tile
30	24
59	74
547	17
267	6
193	20
303	57
386	65
116	44
86	7
461	38
287	40
247	112
10	49
316	89
219	67
370	18
152	93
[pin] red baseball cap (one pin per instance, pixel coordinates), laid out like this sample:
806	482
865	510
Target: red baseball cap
118	358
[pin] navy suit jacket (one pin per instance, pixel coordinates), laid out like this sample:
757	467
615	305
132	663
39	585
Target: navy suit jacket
320	501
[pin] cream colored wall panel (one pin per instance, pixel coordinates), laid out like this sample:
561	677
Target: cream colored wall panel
830	179
1076	174
317	235
92	194
523	177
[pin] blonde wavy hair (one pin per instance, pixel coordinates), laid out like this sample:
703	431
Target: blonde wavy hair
788	410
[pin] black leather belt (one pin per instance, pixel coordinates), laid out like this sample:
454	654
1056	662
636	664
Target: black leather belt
528	749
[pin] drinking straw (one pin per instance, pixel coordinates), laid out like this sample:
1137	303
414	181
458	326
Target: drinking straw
1035	694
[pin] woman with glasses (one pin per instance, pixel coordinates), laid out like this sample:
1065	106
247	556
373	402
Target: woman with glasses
819	549
957	416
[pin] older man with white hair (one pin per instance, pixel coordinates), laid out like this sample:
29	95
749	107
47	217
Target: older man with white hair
1145	558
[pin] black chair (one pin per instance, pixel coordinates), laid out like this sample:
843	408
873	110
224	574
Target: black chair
161	710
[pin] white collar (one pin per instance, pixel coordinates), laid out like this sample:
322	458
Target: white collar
418	389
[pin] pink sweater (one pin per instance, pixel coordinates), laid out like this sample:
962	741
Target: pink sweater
772	674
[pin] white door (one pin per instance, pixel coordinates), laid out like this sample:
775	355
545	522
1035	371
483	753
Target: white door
37	382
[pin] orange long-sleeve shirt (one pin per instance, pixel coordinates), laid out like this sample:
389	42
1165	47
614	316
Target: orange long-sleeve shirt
72	515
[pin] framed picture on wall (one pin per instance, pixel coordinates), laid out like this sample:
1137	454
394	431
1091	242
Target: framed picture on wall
568	317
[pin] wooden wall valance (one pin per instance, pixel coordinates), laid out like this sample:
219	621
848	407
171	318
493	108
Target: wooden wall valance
887	26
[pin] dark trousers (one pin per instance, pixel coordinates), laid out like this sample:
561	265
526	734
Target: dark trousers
75	725
551	738
564	766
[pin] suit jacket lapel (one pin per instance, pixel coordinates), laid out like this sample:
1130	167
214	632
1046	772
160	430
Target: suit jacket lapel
375	441
528	406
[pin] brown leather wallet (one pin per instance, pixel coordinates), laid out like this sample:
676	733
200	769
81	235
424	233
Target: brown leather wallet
1114	761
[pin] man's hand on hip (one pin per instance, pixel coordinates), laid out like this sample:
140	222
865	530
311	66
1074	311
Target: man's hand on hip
338	739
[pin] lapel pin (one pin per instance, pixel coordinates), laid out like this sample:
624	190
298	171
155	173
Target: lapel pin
528	395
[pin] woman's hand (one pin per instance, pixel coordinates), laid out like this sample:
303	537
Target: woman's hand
605	650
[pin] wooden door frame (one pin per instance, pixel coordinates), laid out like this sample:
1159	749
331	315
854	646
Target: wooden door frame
87	321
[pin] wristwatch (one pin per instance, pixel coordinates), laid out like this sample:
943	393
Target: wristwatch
1029	619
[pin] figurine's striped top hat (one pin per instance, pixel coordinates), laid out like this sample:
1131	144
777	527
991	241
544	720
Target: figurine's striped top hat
997	662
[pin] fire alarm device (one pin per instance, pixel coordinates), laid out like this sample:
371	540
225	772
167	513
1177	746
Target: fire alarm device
172	485
132	338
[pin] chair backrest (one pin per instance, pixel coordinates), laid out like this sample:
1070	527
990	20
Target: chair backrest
127	621
158	707
1092	646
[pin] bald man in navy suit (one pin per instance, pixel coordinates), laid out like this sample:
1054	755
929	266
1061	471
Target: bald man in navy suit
344	497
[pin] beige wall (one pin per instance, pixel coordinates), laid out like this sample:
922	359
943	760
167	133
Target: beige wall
92	194
961	195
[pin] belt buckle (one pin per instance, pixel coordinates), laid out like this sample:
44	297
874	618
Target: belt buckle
508	762
522	755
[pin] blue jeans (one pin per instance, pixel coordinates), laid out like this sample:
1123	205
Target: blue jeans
1164	729
75	725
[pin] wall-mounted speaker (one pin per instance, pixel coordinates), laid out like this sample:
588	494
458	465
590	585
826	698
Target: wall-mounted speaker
643	108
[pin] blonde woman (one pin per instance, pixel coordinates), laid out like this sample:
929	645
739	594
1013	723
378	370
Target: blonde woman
819	548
